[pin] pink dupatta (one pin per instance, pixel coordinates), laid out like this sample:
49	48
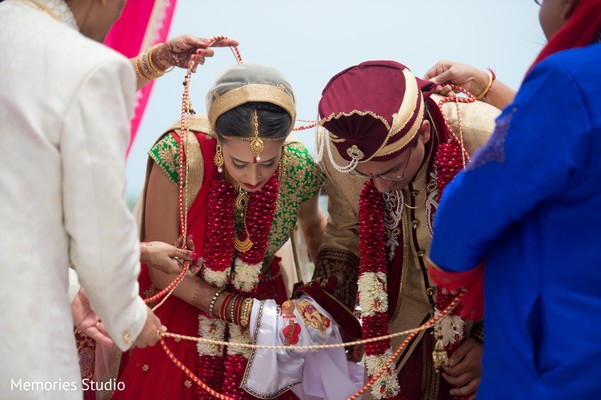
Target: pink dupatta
143	24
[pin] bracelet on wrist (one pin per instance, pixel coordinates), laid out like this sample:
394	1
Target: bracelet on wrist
246	309
145	66
491	78
214	300
224	306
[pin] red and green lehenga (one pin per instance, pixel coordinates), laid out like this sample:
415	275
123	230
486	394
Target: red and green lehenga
149	373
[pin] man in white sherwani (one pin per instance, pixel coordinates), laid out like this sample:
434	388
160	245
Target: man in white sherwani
65	106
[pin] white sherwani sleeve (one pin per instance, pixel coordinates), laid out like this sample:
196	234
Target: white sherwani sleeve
312	374
74	285
103	244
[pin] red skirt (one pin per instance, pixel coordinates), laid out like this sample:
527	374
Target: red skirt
149	373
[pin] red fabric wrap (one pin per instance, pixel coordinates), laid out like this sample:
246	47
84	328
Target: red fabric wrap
354	101
273	287
472	281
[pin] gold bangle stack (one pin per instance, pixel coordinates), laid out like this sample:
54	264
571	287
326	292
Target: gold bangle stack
146	68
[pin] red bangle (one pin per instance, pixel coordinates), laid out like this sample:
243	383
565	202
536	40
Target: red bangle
223	307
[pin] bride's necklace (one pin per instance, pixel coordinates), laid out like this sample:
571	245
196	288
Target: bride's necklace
240	206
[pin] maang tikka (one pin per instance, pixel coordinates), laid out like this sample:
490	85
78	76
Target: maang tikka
256	144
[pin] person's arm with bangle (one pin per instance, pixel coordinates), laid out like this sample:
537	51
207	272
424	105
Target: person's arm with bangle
481	83
153	63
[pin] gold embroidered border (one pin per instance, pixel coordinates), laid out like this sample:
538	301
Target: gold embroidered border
195	164
344	265
249	93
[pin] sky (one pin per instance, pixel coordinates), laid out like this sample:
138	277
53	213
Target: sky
312	40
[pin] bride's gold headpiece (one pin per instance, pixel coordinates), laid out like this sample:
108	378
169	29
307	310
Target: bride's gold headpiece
246	83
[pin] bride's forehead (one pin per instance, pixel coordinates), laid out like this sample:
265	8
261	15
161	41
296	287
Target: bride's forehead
242	150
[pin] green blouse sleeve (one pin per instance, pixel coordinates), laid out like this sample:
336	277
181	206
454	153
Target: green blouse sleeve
304	175
301	179
165	154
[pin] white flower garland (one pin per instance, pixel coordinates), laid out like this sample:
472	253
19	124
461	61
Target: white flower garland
450	327
216	278
387	385
210	328
239	334
373	299
246	275
372	293
246	278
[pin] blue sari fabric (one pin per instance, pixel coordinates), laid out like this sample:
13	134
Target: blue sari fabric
529	204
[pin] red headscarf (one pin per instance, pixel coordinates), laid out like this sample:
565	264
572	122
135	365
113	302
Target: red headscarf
373	108
580	30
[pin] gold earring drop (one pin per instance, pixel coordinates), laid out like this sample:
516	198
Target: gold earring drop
218	159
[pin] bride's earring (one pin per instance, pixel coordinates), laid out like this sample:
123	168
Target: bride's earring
218	159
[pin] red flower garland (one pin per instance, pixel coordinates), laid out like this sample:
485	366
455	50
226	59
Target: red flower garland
373	268
226	372
235	364
372	258
449	162
372	245
210	371
219	248
259	218
219	253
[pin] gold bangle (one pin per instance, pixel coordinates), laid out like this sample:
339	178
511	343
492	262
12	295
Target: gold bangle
138	69
150	70
147	71
246	309
143	70
483	94
157	71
